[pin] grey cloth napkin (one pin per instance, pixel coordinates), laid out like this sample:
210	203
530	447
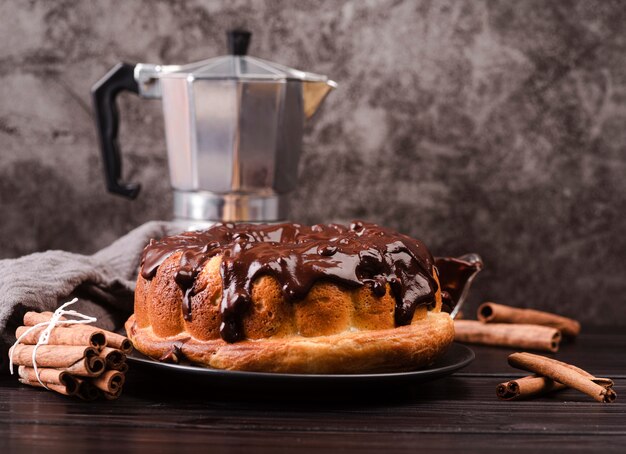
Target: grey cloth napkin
103	282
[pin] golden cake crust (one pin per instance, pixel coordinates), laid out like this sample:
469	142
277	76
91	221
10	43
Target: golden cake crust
396	349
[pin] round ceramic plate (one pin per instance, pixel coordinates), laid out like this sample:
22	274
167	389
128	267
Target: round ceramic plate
457	357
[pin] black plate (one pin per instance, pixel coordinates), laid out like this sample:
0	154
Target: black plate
457	357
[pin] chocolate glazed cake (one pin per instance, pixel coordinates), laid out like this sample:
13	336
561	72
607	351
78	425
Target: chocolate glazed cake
291	298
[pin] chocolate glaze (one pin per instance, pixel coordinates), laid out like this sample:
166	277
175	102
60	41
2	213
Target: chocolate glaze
297	257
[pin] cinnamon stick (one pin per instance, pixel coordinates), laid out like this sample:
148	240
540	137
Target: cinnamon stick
81	361
61	389
63	336
527	387
110	382
87	367
568	376
32	318
535	337
51	356
58	378
114	358
113	396
112	339
123	368
86	390
499	313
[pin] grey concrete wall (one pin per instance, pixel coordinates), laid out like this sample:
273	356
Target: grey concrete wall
489	126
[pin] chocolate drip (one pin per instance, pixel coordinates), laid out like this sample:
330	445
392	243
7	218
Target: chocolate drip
298	257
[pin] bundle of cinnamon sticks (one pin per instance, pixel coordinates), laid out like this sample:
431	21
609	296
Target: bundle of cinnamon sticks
78	360
507	326
552	375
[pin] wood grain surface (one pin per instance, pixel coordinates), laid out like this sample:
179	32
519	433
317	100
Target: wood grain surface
457	413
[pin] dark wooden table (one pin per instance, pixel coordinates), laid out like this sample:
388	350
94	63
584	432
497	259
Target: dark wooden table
456	413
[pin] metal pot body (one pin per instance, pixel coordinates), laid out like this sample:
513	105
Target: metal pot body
232	136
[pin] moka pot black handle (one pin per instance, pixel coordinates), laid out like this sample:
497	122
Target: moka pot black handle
104	93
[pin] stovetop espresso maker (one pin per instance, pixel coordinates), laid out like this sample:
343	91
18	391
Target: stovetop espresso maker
233	128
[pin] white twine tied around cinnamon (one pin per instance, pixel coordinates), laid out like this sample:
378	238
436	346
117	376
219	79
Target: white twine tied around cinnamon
45	334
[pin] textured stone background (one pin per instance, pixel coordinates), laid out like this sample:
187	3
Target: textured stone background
488	126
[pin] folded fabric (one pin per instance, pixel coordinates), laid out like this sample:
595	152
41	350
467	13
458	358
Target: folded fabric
103	282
